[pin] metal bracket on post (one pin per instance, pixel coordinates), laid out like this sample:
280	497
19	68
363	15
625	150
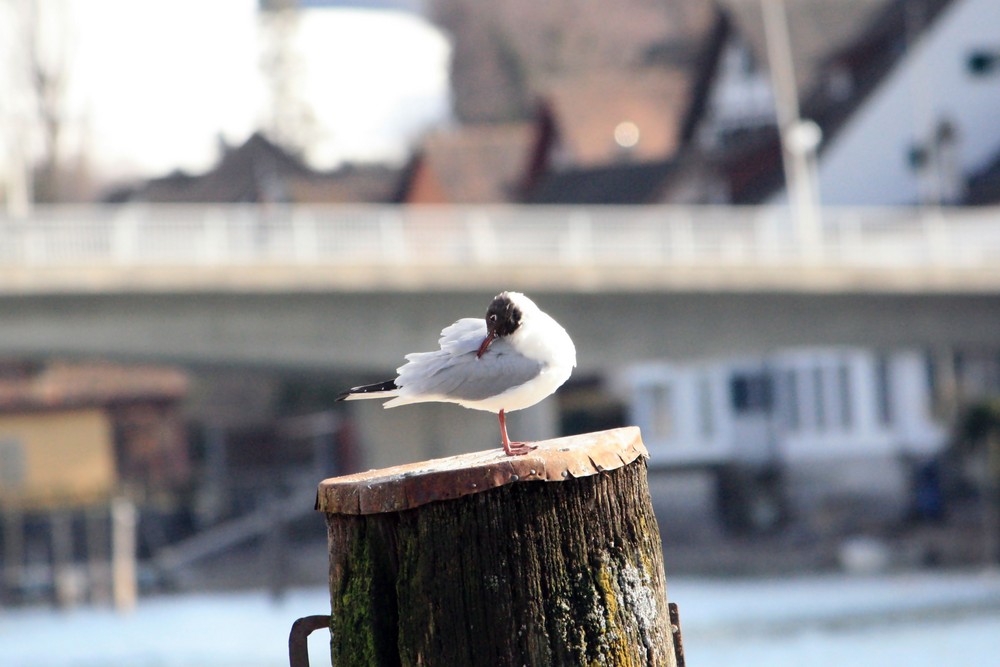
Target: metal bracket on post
298	648
675	627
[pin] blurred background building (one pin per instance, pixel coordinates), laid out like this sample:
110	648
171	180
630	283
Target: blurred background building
771	227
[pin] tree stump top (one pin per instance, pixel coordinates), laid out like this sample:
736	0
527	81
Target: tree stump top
407	486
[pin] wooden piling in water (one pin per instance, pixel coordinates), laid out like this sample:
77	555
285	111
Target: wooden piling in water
553	558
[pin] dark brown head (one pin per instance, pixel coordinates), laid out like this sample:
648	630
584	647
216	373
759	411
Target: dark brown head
503	317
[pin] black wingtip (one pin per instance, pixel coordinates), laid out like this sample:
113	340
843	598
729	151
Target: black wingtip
388	385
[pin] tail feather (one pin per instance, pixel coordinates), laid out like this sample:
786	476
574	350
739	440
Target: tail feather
385	389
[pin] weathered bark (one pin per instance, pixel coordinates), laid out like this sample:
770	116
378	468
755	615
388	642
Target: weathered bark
527	573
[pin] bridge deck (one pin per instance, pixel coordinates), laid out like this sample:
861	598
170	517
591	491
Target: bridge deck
362	248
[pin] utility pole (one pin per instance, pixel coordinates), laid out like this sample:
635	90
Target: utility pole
799	138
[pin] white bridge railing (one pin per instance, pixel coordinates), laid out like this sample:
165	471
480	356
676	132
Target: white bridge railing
651	236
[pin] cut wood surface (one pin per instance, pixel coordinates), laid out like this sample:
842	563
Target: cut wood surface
553	558
408	486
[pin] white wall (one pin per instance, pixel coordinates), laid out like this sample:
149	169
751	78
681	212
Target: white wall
867	162
912	404
666	401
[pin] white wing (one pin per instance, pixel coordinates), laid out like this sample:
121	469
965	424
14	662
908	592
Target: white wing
454	373
463	336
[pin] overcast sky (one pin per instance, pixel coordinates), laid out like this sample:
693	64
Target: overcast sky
153	84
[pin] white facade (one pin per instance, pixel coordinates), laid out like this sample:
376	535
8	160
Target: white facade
806	405
677	407
930	91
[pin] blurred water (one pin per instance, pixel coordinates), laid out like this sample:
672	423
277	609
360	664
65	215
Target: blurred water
913	619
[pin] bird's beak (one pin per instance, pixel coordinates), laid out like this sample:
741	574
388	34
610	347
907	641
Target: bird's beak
490	337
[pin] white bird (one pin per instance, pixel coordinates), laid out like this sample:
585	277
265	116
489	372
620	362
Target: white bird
508	361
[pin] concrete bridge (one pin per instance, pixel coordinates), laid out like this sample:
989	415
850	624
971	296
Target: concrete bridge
355	287
348	291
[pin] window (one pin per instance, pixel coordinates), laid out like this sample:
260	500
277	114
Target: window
792	391
662	412
751	393
882	391
706	416
844	394
819	398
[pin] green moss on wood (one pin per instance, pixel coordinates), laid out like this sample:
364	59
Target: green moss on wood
363	618
353	622
566	573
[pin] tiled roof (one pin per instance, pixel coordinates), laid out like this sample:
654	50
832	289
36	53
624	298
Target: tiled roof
504	51
368	184
631	183
472	164
259	171
603	117
817	29
983	187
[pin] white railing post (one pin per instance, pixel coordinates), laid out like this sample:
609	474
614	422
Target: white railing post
578	245
682	238
767	239
35	234
125	238
213	246
851	238
391	230
482	236
305	240
937	238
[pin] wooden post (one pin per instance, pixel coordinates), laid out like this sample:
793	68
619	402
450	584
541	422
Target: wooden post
124	569
64	581
13	552
553	558
96	525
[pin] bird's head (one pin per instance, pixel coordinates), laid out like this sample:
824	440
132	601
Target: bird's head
503	317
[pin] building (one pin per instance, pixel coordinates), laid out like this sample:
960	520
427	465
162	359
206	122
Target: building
929	127
820	425
260	171
81	446
470	164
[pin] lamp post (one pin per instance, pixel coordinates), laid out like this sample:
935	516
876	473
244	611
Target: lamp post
799	138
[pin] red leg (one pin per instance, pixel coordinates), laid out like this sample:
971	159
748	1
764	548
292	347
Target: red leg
512	448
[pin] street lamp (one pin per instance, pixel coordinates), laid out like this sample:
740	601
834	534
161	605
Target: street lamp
799	138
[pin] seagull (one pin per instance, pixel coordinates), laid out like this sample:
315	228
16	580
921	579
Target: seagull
513	358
